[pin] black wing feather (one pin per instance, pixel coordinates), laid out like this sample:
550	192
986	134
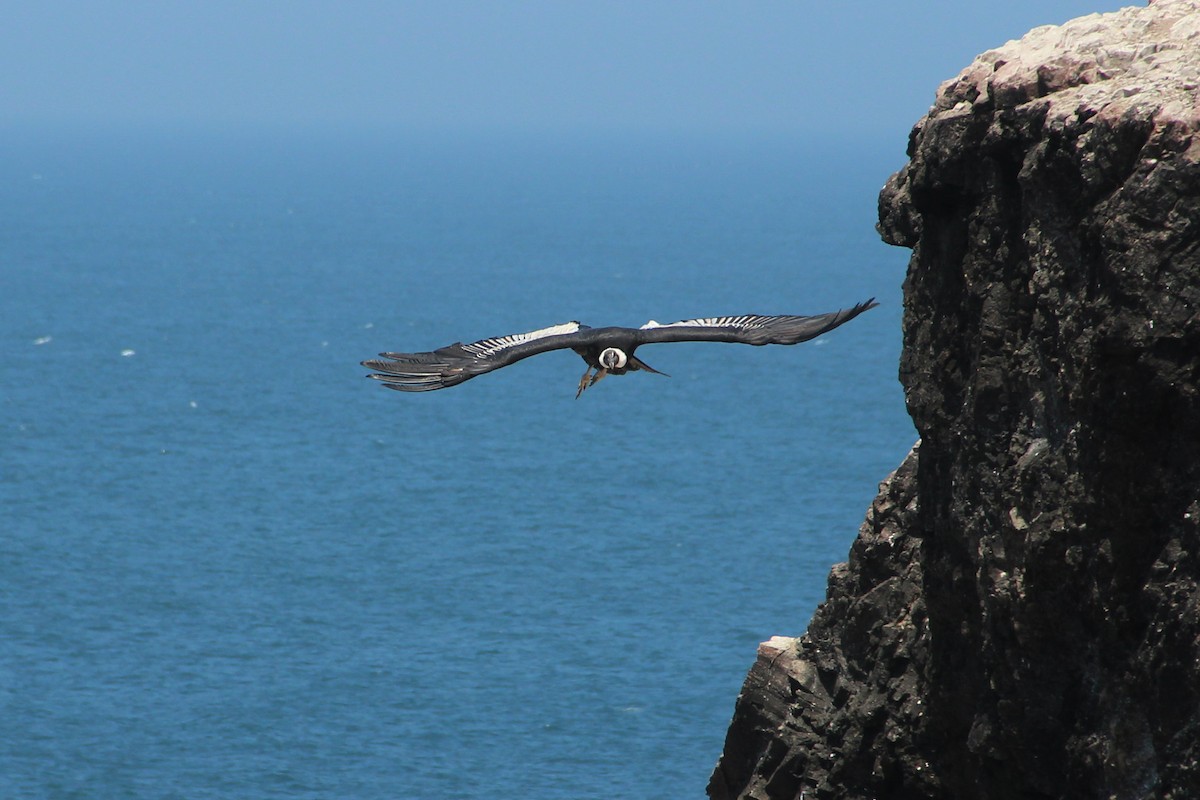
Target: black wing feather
755	329
453	364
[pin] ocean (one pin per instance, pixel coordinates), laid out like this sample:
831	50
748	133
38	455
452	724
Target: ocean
231	567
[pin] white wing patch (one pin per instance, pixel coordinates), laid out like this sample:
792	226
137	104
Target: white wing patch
489	347
742	321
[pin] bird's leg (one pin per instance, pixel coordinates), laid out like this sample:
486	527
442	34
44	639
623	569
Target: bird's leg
600	373
583	382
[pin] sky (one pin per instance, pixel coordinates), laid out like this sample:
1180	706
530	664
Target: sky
519	65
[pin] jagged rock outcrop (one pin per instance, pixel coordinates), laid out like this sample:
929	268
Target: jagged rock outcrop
1020	615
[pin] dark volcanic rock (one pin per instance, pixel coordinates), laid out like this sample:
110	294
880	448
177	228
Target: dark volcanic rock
838	706
1020	615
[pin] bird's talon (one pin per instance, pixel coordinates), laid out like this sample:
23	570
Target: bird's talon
583	382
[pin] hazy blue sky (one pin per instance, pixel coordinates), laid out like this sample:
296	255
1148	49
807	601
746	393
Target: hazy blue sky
668	66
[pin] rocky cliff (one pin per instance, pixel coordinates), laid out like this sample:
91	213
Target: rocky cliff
1020	614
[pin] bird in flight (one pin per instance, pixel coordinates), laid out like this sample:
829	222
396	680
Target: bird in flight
608	351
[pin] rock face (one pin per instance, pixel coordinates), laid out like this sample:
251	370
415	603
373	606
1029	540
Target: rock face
1020	615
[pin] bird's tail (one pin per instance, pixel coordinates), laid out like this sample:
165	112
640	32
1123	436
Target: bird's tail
637	363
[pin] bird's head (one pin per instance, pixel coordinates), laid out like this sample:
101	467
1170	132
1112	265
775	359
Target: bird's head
612	358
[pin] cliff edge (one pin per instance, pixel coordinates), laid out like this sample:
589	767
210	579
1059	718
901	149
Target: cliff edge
1020	614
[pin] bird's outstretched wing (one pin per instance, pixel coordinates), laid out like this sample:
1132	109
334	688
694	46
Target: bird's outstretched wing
453	364
753	329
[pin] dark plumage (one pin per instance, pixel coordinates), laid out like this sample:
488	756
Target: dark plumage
606	350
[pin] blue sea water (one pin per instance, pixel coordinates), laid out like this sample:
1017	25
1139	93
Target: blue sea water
231	567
